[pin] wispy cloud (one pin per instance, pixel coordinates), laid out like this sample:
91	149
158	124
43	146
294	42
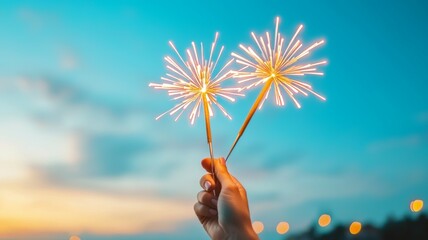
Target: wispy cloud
68	59
34	19
422	117
409	141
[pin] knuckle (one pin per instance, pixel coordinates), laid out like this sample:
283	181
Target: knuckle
201	181
206	177
198	208
200	196
231	187
205	161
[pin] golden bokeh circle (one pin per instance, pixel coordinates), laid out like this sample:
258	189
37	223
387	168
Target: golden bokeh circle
416	205
282	227
324	220
258	227
355	228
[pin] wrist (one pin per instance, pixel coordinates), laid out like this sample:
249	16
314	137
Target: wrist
245	233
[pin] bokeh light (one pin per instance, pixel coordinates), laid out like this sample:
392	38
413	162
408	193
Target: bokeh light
282	227
258	227
324	220
74	238
355	228
416	205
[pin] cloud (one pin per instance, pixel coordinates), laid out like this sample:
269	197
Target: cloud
112	154
68	60
56	102
36	19
31	17
409	141
422	117
306	185
150	170
25	142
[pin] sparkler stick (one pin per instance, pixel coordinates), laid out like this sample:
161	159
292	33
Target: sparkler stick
208	130
274	66
250	115
209	137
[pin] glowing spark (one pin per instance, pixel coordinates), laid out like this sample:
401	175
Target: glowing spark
194	83
274	65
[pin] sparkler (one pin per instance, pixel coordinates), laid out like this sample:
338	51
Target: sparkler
275	65
195	84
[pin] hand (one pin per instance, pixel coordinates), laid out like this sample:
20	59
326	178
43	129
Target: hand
228	216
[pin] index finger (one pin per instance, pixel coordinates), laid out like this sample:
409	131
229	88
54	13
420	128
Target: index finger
206	164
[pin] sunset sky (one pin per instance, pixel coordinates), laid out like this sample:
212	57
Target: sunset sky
81	153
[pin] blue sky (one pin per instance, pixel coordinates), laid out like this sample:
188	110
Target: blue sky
79	141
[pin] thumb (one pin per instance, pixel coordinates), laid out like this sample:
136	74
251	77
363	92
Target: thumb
222	173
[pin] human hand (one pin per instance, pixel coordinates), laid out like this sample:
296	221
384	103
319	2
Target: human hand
225	216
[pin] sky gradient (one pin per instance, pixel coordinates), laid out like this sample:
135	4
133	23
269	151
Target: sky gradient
81	153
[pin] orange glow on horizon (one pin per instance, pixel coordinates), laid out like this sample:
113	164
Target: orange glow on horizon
46	209
324	220
74	238
282	227
355	228
258	227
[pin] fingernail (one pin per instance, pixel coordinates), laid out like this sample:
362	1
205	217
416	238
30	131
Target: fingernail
207	185
214	201
222	161
213	212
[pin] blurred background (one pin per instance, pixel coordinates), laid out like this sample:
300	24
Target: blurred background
81	156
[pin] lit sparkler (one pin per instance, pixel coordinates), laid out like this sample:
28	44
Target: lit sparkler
274	65
194	83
